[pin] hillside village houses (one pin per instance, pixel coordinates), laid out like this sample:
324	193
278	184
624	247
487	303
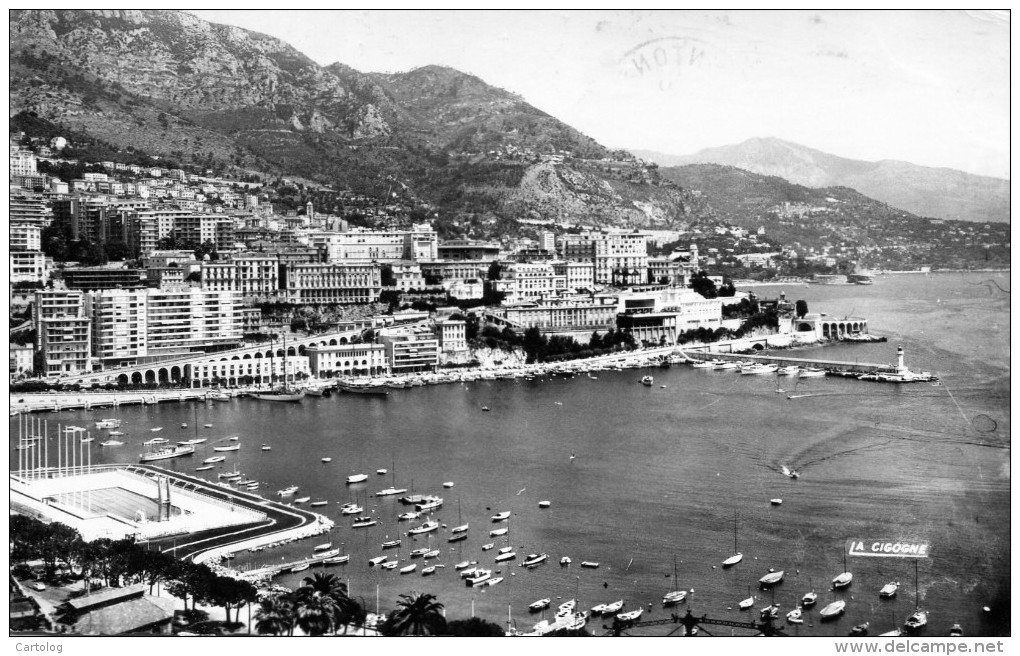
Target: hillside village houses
168	304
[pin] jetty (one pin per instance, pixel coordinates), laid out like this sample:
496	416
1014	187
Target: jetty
836	367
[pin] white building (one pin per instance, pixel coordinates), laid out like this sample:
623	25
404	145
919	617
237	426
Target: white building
63	332
26	237
528	282
29	266
347	359
452	335
119	327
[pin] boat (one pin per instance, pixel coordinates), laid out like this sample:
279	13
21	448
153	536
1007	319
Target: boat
409	516
254	485
860	629
794	616
565	561
213	459
448	484
184	425
746	603
192	442
409	568
809	599
391	544
424	528
811	372
703	364
322	547
919	618
363	522
288	490
485	408
833	610
116	433
541	604
479	576
327	460
266	447
770	612
509	555
390	565
339	560
166	452
675	595
534	560
724	364
845	578
108	423
647	381
302	499
491	582
378	560
156	429
434	553
956	631
299	568
460	529
217	396
544	504
381	472
496	532
737	556
204	468
356	478
771	578
790	370
630	616
486	547
498	517
567	607
157	440
316	504
429	504
613	608
888	590
390	491
284	394
230	447
462	564
589	564
207	425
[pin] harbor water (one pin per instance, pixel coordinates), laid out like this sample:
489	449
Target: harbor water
638	475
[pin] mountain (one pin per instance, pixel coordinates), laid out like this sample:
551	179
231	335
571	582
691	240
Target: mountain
933	192
168	83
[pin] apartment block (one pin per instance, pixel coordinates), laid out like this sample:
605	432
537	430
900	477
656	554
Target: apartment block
29	266
119	325
190	319
63	332
331	283
26	237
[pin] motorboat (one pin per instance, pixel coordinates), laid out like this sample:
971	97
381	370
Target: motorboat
214	459
811	372
391	544
533	560
647	381
565	561
115	433
381	472
630	616
434	553
591	564
302	499
888	590
318	503
322	547
462	564
266	447
157	440
499	517
544	504
424	528
378	560
809	599
508	555
327	460
156	429
459	529
204	468
788	371
409	568
493	581
339	560
541	604
770	612
776	502
390	491
496	532
724	364
207	425
860	629
479	576
351	509
468	573
917	620
448	484
363	522
833	610
771	578
408	516
392	564
703	364
165	453
795	616
430	504
356	478
229	447
486	547
108	423
184	425
428	570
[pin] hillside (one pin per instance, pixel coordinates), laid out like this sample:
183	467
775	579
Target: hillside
924	191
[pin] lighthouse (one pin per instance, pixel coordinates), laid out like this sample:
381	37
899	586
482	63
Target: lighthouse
899	359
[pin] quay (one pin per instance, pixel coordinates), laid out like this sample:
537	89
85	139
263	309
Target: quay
837	367
55	402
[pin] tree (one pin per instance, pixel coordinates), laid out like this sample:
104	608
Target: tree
416	614
495	272
386	273
322	605
802	309
275	615
194	276
474	626
703	285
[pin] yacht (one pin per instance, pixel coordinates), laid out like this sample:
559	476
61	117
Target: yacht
165	453
425	528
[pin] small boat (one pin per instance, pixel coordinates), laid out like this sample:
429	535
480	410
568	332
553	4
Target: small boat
339	560
156	430
737	556
381	472
299	568
356	478
231	447
811	372
448	484
498	517
956	631
390	565
408	516
746	603
390	491
351	509
116	432
457	537
108	423
917	620
703	364
204	468
845	578
567	607
675	595
496	532
288	491
409	568
770	612
809	599
479	576
541	604
254	485
833	610
184	425
207	425
589	564
647	381
888	590
302	499
776	502
214	459
323	547
486	547
314	504
266	447
391	544
424	528
613	608
544	504
790	370
430	554
156	440
418	553
860	629
491	582
363	522
505	555
459	529
565	561
462	564
378	560
794	616
485	408
771	578
630	616
327	460
429	504
191	442
534	560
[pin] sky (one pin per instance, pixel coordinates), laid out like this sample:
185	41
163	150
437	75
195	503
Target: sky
930	87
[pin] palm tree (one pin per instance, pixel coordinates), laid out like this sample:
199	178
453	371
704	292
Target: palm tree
417	614
275	615
323	605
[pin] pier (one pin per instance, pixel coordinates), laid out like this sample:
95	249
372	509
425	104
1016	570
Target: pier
54	402
893	372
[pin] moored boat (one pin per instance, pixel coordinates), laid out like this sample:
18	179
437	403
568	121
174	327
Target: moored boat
214	459
533	560
889	590
356	478
165	453
772	578
363	522
541	604
860	629
917	620
631	616
833	610
795	616
424	528
498	517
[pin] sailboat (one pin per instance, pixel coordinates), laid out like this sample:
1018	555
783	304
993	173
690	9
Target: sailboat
458	532
748	602
737	556
919	618
393	489
675	595
284	394
507	552
844	579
